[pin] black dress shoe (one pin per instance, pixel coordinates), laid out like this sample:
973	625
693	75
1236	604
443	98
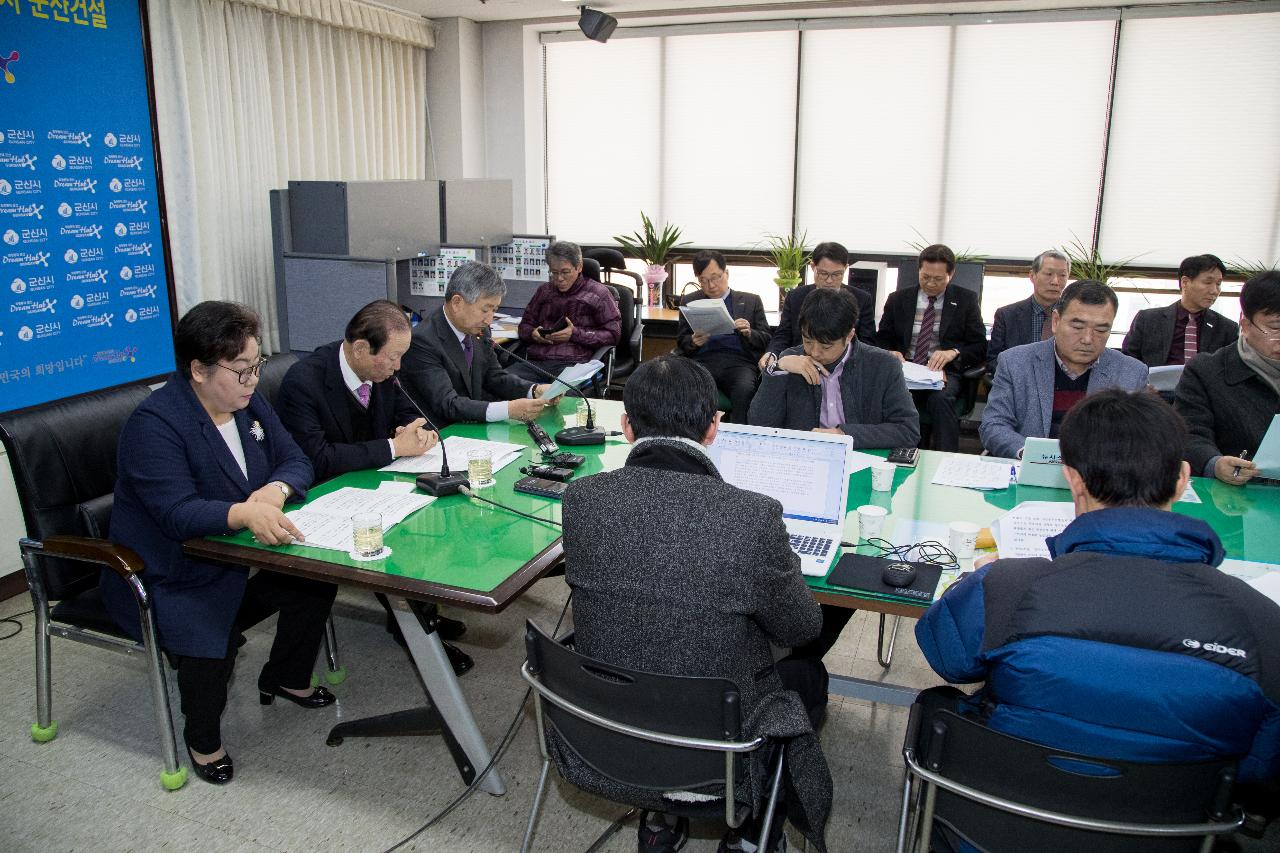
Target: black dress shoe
460	660
449	629
318	698
217	772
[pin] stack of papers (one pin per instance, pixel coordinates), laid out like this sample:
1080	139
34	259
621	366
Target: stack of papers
921	378
972	472
1022	531
1264	577
572	376
708	315
326	521
503	454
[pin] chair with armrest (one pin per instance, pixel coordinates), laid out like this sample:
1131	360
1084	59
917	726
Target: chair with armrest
613	264
1003	794
631	340
661	734
63	457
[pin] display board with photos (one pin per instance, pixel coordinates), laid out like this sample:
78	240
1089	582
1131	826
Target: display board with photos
428	275
86	288
524	258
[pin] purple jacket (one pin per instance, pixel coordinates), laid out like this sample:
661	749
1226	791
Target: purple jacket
589	306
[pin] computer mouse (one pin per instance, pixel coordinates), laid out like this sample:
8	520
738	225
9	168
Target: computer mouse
899	575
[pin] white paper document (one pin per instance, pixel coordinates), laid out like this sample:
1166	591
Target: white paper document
1022	531
1190	496
457	446
1165	377
1268	455
708	315
326	521
402	486
1268	584
920	377
971	472
572	376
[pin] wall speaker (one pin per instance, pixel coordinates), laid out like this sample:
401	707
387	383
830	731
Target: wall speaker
596	25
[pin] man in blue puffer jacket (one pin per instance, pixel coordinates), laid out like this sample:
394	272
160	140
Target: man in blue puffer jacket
1128	643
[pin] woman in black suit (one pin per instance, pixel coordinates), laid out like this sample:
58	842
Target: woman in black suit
204	455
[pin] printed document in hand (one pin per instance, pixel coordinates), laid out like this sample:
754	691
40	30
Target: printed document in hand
1268	455
708	315
971	472
921	378
326	521
503	454
1022	530
1165	377
572	376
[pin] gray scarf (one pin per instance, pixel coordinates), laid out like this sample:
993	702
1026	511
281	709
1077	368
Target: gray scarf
1268	369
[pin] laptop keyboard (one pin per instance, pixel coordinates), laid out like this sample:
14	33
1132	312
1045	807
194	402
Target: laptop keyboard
810	546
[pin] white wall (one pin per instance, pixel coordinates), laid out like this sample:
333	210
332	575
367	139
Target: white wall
455	99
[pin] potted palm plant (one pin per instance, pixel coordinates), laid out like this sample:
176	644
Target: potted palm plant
652	247
1087	263
789	256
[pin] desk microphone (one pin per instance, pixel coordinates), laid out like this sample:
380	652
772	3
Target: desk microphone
569	436
444	483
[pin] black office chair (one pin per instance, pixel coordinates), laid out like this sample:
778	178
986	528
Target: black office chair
1008	795
63	457
613	264
630	345
657	733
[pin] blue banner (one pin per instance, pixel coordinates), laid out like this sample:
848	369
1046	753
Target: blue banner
83	280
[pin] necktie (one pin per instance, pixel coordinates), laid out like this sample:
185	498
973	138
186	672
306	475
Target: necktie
468	349
1191	338
924	340
362	394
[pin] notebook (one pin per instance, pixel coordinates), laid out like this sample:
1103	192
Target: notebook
807	472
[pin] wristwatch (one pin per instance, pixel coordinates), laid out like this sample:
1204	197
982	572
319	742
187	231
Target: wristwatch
283	487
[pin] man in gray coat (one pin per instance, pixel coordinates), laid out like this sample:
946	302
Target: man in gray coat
1037	384
834	383
677	572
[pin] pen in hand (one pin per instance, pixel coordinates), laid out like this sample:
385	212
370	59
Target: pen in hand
1244	454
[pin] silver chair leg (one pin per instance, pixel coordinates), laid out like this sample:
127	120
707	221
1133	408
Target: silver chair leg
767	824
885	656
337	673
45	729
537	803
925	827
906	807
173	777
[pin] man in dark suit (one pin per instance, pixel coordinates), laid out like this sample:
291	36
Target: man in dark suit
1229	398
940	327
1176	333
730	358
342	407
451	367
716	563
829	264
1029	320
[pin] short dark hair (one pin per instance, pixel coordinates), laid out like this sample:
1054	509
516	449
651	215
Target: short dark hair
828	315
213	331
1198	264
829	252
1261	293
1128	447
375	323
1088	291
938	253
670	396
704	257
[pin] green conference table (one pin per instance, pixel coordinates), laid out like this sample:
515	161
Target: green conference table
454	551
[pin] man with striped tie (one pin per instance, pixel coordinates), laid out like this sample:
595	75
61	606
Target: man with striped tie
1176	333
940	327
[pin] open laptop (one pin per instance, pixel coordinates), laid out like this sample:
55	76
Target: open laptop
807	472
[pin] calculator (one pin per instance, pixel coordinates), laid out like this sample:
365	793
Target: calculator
907	457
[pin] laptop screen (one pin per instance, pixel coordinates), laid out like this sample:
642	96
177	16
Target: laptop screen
806	475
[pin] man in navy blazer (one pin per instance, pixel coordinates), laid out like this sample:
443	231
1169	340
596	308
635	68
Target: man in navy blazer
953	340
1029	320
451	367
1176	333
342	405
1037	384
829	263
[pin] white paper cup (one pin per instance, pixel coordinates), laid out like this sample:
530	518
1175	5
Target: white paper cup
961	538
882	476
871	520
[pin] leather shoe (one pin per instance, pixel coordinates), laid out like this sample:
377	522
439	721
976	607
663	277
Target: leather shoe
460	660
449	629
218	772
318	698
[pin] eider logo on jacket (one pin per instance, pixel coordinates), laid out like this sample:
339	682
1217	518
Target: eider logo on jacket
1215	647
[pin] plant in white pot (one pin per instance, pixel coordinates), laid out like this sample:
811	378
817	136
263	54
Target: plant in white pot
652	247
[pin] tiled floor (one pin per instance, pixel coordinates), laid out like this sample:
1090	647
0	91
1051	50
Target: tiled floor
96	786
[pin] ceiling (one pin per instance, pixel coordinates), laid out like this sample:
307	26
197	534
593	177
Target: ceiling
634	12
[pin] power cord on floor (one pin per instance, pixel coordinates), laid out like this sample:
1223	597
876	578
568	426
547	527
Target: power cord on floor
17	626
504	744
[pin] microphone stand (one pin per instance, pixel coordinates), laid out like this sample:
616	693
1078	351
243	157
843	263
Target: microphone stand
444	483
574	436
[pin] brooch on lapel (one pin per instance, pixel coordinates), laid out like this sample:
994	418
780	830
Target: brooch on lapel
256	430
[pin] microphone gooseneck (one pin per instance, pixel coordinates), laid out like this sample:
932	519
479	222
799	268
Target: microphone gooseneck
444	454
570	435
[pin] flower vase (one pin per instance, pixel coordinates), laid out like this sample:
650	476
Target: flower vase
654	276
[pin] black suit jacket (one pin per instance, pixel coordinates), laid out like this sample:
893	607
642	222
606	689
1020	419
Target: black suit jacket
1227	406
746	306
1012	328
315	406
788	332
961	327
434	371
1151	334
